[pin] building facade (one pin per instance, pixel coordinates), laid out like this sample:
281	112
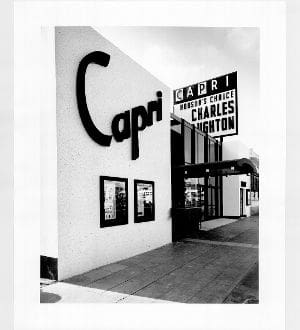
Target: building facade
72	240
119	177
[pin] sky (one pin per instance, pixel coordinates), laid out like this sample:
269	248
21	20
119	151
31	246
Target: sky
181	56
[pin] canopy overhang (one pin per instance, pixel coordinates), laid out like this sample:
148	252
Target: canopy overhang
221	168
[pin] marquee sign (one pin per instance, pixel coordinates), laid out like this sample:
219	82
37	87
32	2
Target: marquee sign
210	105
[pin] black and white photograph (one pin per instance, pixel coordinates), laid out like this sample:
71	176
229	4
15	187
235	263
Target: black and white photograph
155	157
197	141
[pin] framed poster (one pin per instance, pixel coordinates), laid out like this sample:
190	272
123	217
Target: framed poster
144	203
113	201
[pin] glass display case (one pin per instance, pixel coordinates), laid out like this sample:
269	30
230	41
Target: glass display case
144	205
113	201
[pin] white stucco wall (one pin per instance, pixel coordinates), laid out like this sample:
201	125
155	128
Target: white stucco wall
231	202
231	195
82	244
232	184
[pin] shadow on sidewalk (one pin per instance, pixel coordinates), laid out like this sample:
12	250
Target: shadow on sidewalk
46	297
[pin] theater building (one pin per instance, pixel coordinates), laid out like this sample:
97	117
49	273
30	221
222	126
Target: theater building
120	177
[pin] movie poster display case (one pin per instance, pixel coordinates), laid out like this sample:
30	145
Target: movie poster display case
144	202
113	201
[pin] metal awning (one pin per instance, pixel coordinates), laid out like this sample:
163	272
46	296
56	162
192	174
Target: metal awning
222	168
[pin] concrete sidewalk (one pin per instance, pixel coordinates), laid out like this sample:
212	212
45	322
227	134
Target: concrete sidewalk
191	271
244	230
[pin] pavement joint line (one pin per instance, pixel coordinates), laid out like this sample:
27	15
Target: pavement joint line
119	271
112	273
104	277
230	289
158	278
239	281
176	267
203	267
145	268
215	243
181	266
246	245
235	283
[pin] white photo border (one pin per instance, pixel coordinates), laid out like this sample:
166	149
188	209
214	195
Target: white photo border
29	18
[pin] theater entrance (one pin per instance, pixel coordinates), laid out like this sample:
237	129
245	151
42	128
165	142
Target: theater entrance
197	172
200	201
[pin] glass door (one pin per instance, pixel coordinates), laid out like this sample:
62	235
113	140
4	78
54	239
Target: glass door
211	202
241	202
